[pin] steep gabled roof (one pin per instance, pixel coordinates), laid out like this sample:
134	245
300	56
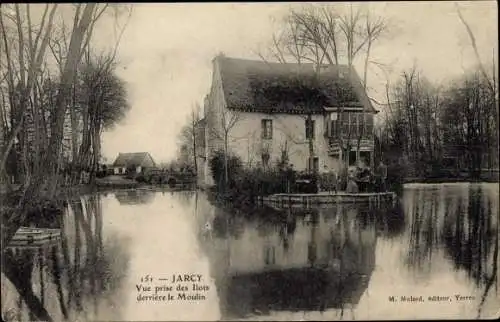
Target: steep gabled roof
289	88
130	159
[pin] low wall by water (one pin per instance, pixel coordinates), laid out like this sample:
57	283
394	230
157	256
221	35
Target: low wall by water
281	200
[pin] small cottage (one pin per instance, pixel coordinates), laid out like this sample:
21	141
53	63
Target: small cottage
133	162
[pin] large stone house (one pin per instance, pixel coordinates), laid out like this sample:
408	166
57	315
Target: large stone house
136	162
262	111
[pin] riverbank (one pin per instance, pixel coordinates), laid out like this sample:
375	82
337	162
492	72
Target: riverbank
45	211
450	180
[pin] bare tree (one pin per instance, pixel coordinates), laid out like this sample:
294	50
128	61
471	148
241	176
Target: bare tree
328	35
21	79
34	100
490	80
474	47
220	125
103	102
189	135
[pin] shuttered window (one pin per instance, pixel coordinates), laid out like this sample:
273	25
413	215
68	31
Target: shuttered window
309	125
267	129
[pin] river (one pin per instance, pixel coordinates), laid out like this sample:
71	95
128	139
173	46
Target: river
350	262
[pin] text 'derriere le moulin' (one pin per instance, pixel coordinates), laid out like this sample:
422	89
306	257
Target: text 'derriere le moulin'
188	287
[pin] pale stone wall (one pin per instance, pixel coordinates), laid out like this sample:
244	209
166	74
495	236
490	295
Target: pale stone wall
287	130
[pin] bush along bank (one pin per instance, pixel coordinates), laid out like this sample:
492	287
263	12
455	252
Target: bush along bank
242	186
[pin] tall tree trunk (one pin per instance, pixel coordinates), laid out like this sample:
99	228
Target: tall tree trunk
311	143
83	152
195	159
74	126
226	162
57	126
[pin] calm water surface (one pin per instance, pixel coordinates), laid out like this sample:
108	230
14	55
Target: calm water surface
318	264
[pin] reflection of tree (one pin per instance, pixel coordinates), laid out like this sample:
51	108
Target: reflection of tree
19	269
292	259
422	231
135	197
95	270
82	269
185	197
470	238
390	220
466	232
287	229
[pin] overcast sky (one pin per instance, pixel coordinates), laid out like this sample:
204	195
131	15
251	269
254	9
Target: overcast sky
166	51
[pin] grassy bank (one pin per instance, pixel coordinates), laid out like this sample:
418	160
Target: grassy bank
487	179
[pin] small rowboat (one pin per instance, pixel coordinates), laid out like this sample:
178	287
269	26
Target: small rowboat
35	236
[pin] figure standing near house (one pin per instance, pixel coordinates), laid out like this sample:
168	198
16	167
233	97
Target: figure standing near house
331	180
363	176
352	187
381	176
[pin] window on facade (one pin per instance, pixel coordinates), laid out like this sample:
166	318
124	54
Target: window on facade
312	252
352	157
353	124
361	124
313	164
270	255
265	159
332	125
267	129
365	157
310	129
332	128
369	125
316	164
344	123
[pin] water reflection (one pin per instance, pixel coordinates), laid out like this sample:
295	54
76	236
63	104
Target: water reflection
292	260
268	261
69	279
135	197
462	222
320	264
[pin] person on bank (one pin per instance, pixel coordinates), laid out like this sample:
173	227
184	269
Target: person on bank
381	176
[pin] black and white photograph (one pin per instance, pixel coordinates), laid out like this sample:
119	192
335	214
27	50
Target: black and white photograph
249	161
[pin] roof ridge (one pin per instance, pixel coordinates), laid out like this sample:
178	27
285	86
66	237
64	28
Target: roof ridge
262	61
257	84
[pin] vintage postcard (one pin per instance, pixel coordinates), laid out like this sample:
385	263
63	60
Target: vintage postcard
249	161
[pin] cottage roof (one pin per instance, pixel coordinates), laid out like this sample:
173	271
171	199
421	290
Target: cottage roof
289	88
131	159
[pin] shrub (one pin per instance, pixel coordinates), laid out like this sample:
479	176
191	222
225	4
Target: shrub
244	185
101	174
396	174
217	166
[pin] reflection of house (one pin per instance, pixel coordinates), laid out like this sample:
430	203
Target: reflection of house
268	108
134	197
137	162
309	261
